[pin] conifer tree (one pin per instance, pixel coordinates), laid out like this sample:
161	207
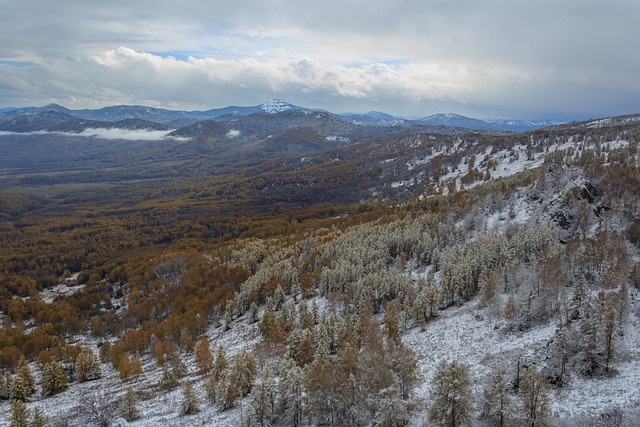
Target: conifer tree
54	379
37	419
204	358
19	387
19	414
290	404
210	386
87	366
221	363
576	307
498	399
608	333
534	396
452	403
168	380
5	385
391	409
23	369
264	396
190	402
129	406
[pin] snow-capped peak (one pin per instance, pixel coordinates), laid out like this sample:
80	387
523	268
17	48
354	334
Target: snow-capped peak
276	106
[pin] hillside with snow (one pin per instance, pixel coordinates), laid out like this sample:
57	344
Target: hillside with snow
514	256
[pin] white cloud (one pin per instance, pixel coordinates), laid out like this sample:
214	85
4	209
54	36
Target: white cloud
571	58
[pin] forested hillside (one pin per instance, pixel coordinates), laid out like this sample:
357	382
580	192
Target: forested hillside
413	278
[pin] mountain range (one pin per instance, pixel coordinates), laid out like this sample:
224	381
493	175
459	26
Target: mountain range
32	119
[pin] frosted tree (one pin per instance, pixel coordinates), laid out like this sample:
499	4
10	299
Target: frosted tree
534	397
24	370
19	414
291	386
168	380
497	400
37	419
264	399
190	402
5	385
129	406
608	333
87	366
391	322
451	399
204	358
576	307
221	363
392	410
19	389
54	379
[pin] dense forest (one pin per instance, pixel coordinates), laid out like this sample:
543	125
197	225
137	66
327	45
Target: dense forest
277	290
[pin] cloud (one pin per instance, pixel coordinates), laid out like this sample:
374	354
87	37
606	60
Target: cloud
526	58
104	133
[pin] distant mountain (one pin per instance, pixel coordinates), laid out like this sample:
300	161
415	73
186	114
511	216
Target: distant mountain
523	125
54	121
457	121
176	118
374	118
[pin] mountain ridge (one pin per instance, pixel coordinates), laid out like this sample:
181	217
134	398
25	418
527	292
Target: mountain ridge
179	118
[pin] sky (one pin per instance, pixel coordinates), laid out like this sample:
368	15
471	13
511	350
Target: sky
526	59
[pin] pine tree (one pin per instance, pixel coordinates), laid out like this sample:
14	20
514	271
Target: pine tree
129	406
23	369
190	400
210	388
576	309
391	409
19	387
534	396
608	334
498	399
37	419
290	405
221	363
19	414
54	379
451	398
87	366
204	358
168	380
5	385
264	396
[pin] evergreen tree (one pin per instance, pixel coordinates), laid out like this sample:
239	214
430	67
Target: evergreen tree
534	396
19	387
54	379
291	386
87	366
168	380
392	410
451	398
608	333
221	363
5	385
497	400
24	370
204	358
210	386
129	406
19	414
190	401
264	396
576	307
37	419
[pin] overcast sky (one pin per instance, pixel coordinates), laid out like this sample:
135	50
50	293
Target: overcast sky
531	59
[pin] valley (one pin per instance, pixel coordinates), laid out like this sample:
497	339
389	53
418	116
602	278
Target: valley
285	266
